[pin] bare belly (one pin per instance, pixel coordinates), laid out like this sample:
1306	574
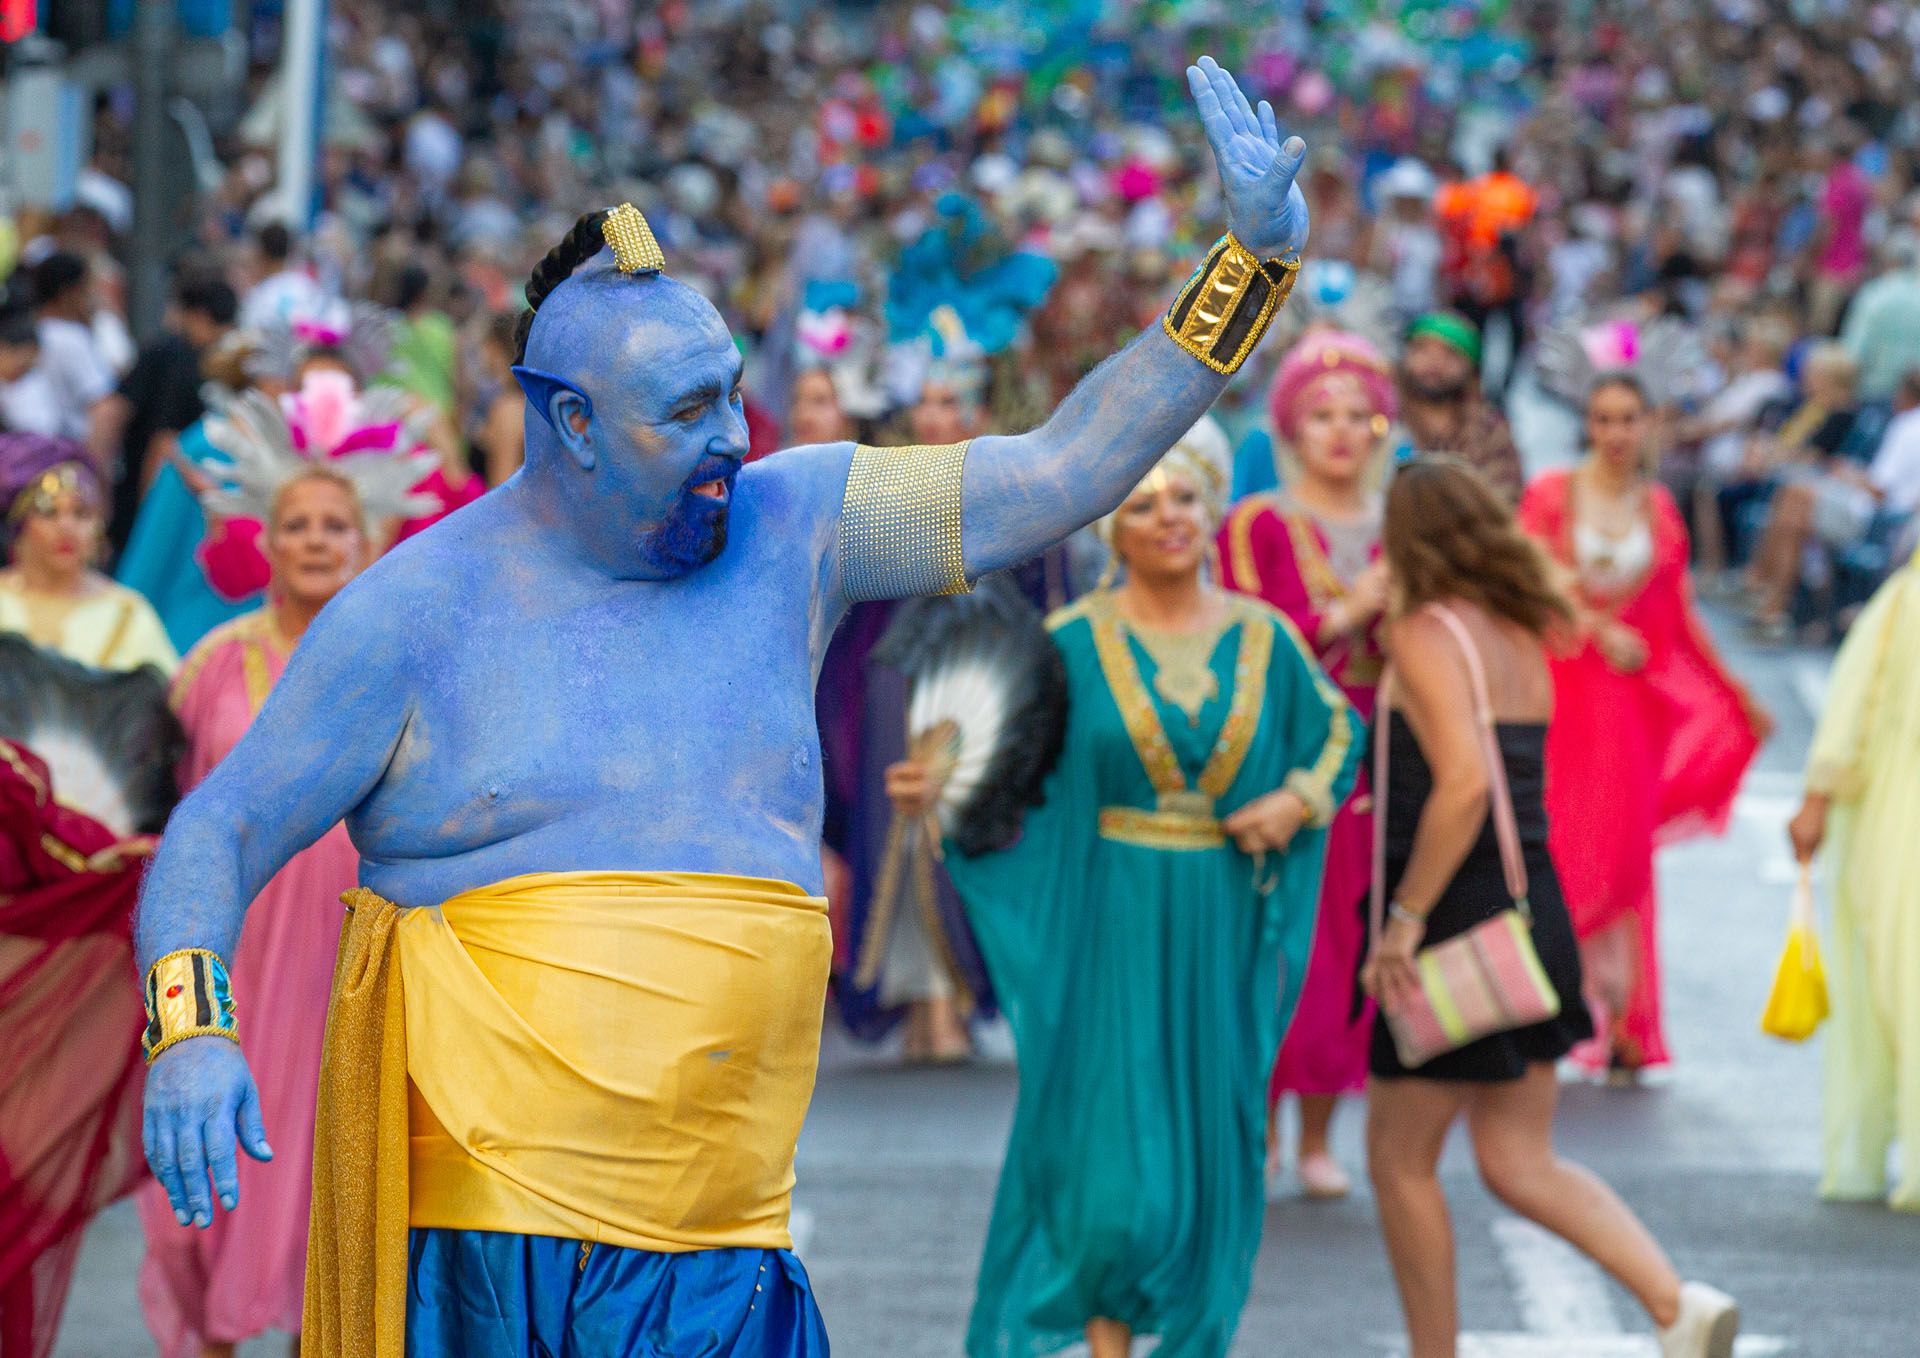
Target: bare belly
606	842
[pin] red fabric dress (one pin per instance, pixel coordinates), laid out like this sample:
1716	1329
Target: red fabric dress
70	1021
1277	553
1634	760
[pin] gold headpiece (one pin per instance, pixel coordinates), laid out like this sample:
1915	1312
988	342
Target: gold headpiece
634	248
42	494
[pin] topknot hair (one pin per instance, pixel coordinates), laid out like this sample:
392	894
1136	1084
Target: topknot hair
585	240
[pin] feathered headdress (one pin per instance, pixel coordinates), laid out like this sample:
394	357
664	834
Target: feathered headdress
1666	354
369	438
363	333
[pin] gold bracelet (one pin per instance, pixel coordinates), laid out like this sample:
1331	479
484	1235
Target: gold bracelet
1228	304
188	994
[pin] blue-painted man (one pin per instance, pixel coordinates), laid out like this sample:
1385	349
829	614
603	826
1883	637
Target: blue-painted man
574	724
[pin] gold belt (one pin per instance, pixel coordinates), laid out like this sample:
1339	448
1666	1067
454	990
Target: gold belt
1180	830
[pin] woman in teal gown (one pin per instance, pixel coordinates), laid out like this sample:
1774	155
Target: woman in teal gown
1148	934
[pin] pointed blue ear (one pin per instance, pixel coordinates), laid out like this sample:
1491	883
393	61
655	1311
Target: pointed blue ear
541	389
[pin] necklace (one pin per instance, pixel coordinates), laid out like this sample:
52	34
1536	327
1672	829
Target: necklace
1183	668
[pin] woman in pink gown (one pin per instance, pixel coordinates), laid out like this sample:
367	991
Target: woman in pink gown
1312	550
1651	735
203	1291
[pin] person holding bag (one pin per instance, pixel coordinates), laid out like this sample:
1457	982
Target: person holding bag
1472	953
1862	804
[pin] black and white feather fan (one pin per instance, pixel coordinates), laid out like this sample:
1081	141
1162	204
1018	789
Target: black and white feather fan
109	739
987	705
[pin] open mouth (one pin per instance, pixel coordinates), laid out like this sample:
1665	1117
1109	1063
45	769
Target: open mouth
713	479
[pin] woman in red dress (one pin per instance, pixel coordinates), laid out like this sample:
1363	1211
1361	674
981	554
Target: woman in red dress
1312	550
1651	734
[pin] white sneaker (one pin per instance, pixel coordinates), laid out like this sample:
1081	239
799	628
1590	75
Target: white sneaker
1709	1321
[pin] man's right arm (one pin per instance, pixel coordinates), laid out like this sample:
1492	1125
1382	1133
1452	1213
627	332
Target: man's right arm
318	747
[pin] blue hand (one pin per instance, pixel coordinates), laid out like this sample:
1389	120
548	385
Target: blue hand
199	1094
1265	208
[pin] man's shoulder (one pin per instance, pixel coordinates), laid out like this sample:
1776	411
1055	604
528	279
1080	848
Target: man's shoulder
810	478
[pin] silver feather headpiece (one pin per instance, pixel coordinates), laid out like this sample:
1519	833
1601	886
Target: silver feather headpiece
253	433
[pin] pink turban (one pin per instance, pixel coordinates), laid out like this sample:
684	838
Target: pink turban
1318	356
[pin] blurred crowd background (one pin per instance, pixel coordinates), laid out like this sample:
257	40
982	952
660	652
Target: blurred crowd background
981	200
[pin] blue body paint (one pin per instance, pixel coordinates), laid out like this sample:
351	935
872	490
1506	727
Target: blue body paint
598	667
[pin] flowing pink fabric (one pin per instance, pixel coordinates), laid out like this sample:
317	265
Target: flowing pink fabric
1261	550
71	1074
1633	761
245	1274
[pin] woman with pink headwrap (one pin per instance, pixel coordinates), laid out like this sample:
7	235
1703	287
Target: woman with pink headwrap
1312	550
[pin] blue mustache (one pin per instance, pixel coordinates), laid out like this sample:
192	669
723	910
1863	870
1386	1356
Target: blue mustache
713	467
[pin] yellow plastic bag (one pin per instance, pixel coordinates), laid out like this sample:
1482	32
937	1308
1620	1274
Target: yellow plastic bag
1798	1003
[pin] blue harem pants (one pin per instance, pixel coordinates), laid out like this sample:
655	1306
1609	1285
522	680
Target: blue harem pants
489	1294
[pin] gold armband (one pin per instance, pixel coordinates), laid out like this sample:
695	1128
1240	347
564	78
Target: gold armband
188	995
1228	303
900	522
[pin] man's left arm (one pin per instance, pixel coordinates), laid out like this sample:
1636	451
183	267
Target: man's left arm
927	520
1022	493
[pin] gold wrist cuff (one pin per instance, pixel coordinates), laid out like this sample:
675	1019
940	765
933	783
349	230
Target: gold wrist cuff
1227	305
188	994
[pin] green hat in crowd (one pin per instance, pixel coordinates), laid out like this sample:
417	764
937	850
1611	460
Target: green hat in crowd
1449	327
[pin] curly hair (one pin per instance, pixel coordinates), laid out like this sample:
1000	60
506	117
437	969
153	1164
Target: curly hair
1448	535
581	243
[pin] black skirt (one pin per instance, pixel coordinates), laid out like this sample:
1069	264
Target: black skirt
1477	893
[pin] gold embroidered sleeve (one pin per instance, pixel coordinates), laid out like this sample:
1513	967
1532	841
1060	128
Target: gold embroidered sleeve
900	522
1314	784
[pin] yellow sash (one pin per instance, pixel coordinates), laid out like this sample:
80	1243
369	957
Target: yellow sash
624	1058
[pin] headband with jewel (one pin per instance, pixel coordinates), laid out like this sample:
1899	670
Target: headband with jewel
42	494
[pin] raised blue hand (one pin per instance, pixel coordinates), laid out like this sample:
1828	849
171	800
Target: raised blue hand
200	1099
1265	208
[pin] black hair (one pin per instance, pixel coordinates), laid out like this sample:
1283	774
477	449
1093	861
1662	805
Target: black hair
211	297
1910	384
1621	379
57	275
411	286
276	242
585	240
17	328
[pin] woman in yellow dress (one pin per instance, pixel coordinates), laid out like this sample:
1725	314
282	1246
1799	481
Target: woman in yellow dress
50	593
1863	804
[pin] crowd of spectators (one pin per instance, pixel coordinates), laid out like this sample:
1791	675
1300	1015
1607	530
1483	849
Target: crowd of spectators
989	197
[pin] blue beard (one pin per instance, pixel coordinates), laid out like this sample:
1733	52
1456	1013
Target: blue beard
693	536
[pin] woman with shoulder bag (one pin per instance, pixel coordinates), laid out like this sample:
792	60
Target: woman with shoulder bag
1474	960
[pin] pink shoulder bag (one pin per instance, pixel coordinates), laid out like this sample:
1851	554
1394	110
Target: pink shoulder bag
1488	980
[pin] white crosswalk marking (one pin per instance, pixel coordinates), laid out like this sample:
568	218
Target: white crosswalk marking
1564	1304
1558	1291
